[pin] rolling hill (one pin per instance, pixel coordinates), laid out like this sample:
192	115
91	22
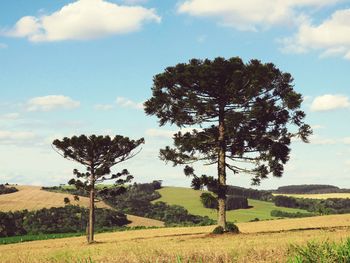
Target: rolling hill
190	199
33	198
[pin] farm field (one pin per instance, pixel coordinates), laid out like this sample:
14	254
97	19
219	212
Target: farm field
190	199
319	196
267	241
33	198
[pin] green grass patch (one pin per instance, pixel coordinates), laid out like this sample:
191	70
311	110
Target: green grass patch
26	238
190	199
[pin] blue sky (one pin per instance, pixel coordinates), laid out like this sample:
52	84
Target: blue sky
73	67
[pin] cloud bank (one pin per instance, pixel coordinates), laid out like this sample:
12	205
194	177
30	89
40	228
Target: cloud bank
82	20
252	14
331	37
330	102
51	102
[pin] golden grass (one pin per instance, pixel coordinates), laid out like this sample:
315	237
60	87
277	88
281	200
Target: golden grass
33	198
318	196
259	242
142	221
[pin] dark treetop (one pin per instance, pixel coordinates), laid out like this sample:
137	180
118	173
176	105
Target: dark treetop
253	103
98	154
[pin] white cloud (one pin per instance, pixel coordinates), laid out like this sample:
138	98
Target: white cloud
51	102
331	37
127	103
330	102
16	137
252	14
82	20
133	2
346	140
103	107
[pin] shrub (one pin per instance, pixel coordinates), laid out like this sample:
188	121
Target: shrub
286	201
232	228
236	202
232	201
219	230
66	200
5	189
209	201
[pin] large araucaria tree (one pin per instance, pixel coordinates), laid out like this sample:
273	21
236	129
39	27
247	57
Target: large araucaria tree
247	114
98	154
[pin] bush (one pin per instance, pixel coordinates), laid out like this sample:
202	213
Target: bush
7	190
232	202
232	228
286	201
209	201
219	230
236	202
321	252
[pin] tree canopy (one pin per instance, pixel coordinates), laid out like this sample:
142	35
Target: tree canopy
247	114
98	154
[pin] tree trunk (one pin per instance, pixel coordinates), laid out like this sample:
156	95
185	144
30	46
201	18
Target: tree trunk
222	172
92	211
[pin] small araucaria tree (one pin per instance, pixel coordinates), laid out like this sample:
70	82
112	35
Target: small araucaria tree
98	154
247	114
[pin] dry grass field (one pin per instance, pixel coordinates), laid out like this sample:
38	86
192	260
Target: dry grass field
33	198
319	196
259	242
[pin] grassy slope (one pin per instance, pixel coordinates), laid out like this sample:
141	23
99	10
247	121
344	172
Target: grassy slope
190	199
192	244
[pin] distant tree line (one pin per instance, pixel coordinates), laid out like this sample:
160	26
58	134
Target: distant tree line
232	202
279	213
66	219
4	189
310	189
136	199
250	193
327	206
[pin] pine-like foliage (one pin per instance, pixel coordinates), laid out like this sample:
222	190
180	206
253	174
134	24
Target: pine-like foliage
248	114
98	154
